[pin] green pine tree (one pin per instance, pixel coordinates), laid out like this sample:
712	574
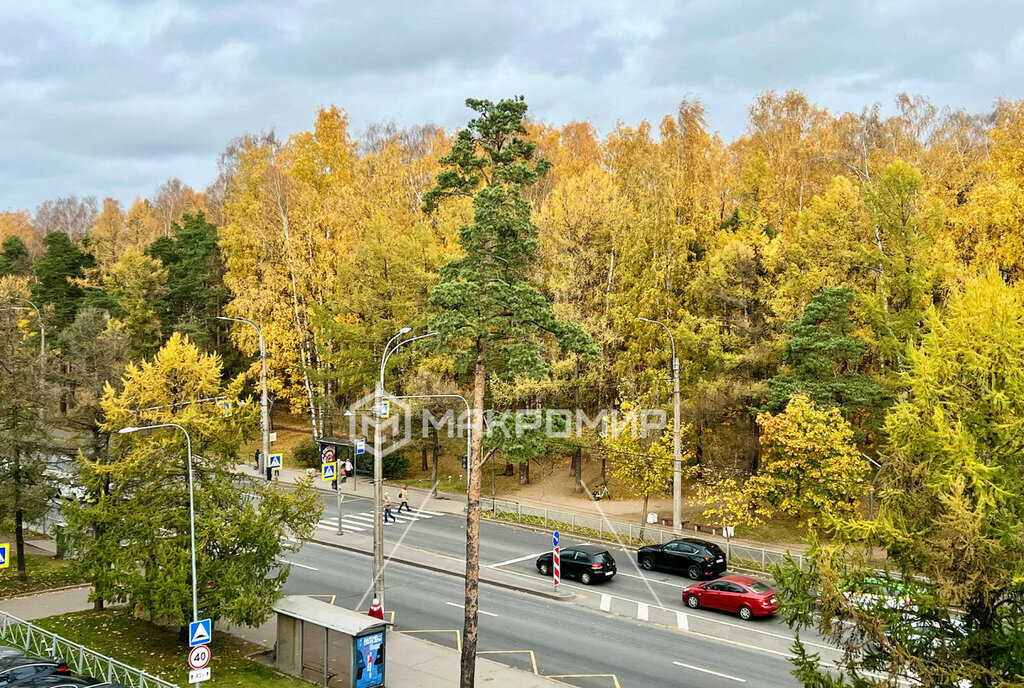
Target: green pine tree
14	258
489	315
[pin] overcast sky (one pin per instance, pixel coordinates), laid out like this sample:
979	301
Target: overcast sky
113	98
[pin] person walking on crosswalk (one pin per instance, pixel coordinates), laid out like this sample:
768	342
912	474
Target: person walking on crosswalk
387	509
404	496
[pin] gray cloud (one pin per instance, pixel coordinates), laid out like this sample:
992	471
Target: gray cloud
112	98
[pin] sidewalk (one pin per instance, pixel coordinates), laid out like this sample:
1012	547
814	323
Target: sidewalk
410	661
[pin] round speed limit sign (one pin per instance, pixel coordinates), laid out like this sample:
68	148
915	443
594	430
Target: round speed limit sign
199	657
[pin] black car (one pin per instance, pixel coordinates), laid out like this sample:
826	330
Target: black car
15	671
62	681
588	563
7	651
692	556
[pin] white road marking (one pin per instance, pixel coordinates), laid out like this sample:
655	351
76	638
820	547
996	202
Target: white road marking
479	611
682	622
651	580
642	611
301	566
606	602
713	673
517	559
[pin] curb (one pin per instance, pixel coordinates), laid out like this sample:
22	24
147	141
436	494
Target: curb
555	596
44	591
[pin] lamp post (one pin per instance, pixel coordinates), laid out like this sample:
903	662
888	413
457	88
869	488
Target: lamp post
264	397
677	465
191	506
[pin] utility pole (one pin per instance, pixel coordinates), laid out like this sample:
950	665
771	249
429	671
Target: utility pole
264	397
677	464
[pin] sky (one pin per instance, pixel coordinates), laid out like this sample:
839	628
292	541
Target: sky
113	98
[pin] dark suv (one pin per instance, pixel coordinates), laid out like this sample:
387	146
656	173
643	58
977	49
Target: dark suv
14	670
589	563
692	556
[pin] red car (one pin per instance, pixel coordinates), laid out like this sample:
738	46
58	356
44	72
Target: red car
741	595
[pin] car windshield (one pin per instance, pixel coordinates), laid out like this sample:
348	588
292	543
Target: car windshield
713	548
758	587
603	558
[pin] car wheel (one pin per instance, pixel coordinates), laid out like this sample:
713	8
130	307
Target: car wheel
692	602
693	572
545	569
745	613
647	562
585	578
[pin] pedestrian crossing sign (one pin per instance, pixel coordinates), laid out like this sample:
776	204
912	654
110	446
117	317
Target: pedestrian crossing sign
328	472
5	551
275	461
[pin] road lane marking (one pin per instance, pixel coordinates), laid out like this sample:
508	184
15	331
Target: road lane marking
478	611
517	559
682	622
533	657
713	673
613	677
301	566
642	611
606	602
456	631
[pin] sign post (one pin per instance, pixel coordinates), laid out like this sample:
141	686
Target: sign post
556	570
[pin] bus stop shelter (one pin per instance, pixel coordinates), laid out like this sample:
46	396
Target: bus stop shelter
329	645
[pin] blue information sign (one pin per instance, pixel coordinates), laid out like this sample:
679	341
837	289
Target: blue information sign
200	633
554	539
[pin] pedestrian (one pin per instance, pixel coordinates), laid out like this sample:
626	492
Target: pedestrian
376	611
347	470
387	510
404	496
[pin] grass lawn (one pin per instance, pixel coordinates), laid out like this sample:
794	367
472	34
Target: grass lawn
43	573
155	649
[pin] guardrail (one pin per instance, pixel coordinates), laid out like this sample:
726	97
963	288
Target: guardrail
37	641
600	528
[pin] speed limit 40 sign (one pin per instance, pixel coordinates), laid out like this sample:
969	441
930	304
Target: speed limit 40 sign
199	656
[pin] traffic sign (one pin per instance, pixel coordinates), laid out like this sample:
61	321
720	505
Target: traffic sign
199	656
273	437
360	446
275	461
198	675
5	554
385	408
328	472
226	405
554	539
200	633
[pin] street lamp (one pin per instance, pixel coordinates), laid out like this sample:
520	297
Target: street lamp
677	467
191	506
264	398
378	464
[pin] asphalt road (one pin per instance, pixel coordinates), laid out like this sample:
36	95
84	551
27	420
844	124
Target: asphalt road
630	593
582	646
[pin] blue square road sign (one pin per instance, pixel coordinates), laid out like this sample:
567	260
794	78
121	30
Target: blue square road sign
200	633
5	554
275	461
554	539
327	472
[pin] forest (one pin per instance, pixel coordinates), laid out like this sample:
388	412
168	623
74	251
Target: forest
800	260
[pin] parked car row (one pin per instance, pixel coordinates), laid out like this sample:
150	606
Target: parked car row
18	670
698	559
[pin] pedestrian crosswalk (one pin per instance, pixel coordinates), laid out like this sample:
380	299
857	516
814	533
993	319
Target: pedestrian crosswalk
364	520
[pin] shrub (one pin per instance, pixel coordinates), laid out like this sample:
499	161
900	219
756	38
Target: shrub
307	454
395	466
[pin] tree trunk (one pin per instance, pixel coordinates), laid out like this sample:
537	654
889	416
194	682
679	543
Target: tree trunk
19	541
470	626
524	473
643	517
423	459
577	469
509	470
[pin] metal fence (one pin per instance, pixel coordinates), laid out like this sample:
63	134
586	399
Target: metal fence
37	641
630	534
